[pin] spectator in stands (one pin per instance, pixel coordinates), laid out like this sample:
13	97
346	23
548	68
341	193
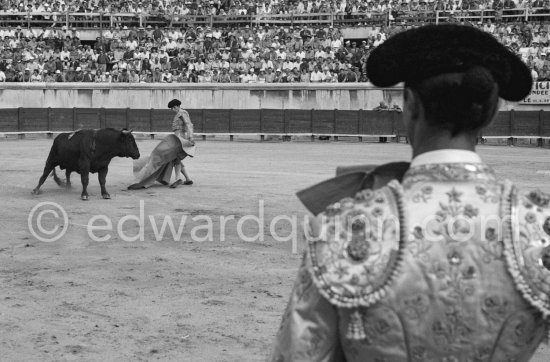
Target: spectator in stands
123	76
544	74
396	108
59	78
534	73
102	61
48	77
142	77
79	75
88	76
133	77
117	77
36	76
383	106
26	76
237	48
352	75
327	75
157	76
10	73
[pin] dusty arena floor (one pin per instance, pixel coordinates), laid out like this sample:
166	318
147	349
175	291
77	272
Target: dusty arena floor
215	292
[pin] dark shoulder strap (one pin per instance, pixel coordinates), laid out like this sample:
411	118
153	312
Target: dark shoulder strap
348	182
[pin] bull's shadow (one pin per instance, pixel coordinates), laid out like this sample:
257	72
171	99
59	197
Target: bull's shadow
86	151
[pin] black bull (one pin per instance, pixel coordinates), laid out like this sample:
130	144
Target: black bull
88	151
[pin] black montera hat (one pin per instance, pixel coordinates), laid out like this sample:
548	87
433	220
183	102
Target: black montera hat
427	51
173	103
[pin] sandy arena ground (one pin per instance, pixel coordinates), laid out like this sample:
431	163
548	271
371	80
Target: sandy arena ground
80	299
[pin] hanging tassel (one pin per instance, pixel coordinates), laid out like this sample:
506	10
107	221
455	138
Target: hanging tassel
356	329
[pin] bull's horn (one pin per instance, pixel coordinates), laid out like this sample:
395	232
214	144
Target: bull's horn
125	131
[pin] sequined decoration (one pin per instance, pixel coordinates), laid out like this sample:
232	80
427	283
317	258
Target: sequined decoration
539	198
359	257
356	328
530	280
358	250
545	257
546	226
358	247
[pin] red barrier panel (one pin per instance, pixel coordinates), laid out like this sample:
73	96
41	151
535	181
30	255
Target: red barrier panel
139	120
273	120
115	118
62	119
162	120
245	120
501	126
87	118
298	121
346	122
526	123
196	116
261	121
322	121
217	120
545	124
399	128
9	120
375	122
33	119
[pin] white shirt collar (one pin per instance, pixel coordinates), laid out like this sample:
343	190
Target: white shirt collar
446	156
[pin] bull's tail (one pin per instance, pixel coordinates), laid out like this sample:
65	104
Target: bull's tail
57	180
52	157
49	168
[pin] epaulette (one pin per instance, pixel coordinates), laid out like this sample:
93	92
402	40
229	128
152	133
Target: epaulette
355	251
348	182
526	220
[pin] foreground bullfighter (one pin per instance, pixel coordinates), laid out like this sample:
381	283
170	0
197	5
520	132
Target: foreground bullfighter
86	151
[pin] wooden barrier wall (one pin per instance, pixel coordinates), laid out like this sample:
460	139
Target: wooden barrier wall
227	121
512	124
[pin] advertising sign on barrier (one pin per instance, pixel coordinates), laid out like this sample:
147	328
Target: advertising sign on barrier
540	94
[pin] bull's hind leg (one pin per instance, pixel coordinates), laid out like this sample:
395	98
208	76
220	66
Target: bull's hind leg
84	178
101	176
48	168
68	179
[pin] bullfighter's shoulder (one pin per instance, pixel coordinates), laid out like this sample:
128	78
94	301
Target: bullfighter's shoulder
348	182
527	244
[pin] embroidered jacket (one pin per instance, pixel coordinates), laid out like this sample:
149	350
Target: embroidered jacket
449	265
182	126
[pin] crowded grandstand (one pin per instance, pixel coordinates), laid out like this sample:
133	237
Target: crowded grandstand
238	42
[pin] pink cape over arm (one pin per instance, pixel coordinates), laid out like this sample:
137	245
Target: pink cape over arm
158	166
